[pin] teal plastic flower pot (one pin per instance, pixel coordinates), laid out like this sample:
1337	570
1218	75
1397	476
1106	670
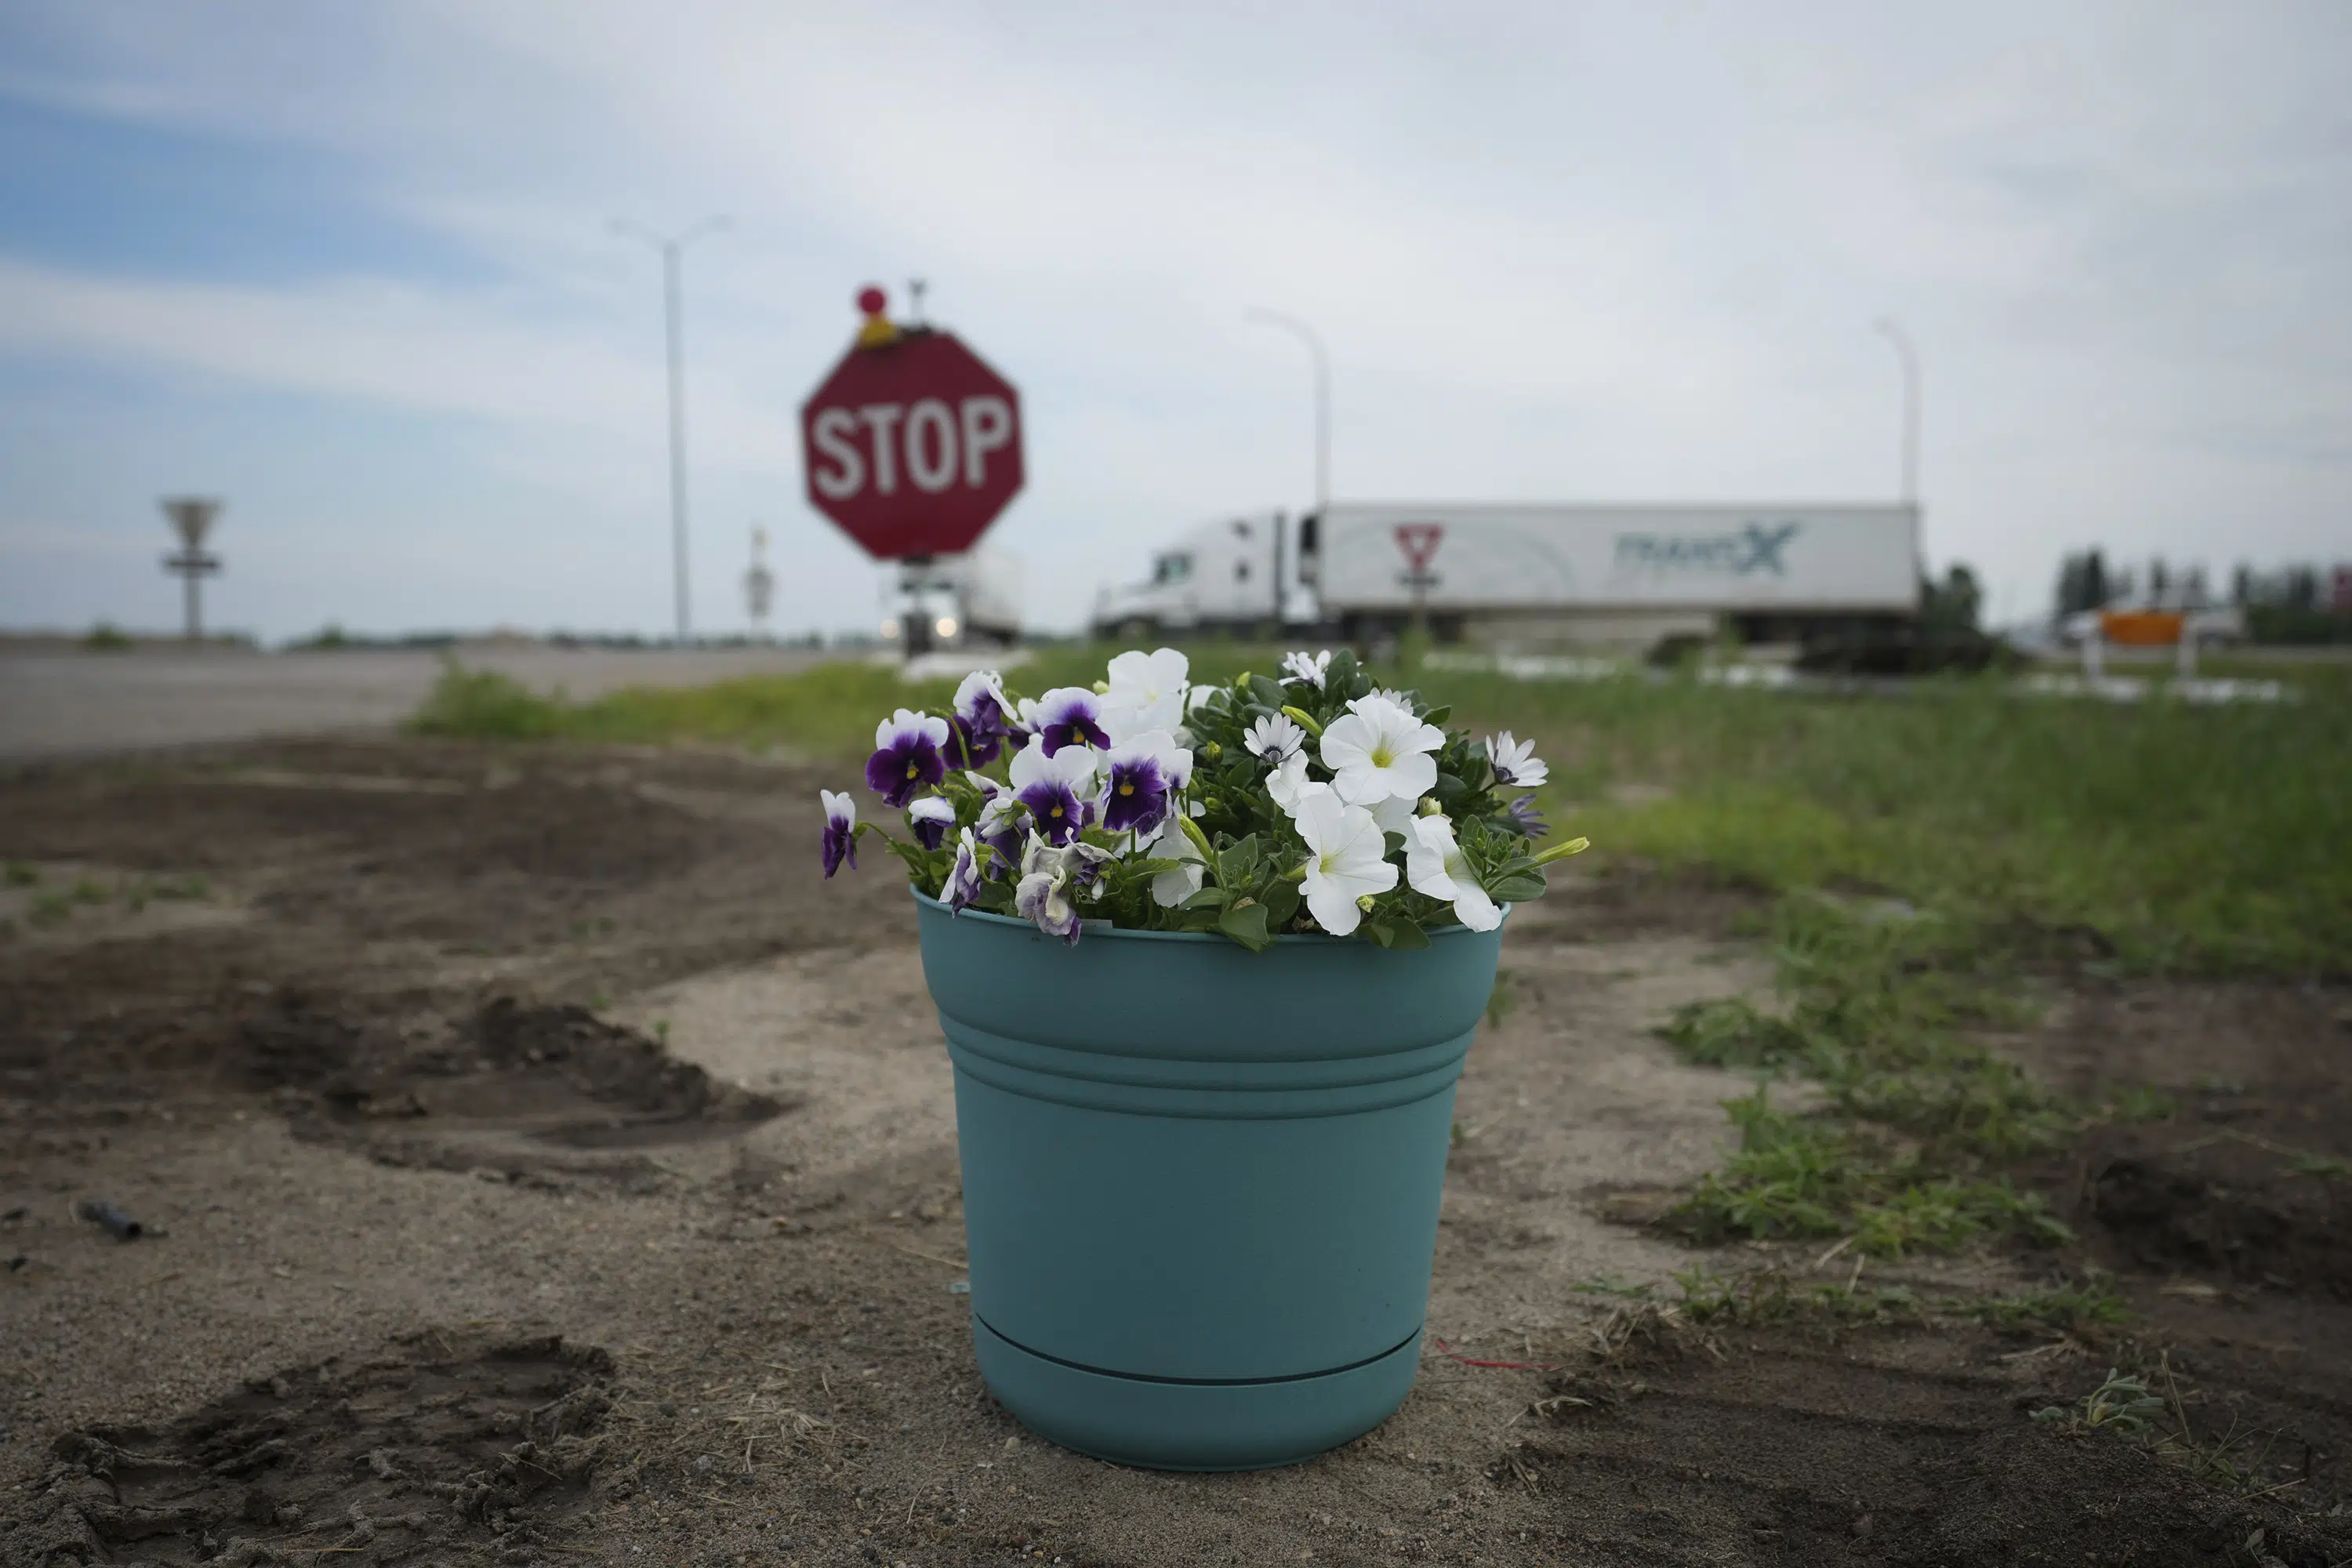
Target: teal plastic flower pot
1201	1185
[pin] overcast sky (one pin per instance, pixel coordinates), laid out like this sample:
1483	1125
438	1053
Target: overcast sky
350	267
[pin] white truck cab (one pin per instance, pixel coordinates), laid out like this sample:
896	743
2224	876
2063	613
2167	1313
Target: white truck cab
1217	576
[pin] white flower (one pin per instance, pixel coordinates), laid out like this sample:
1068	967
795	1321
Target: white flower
1299	667
1515	762
1395	813
1287	780
1274	738
1377	749
1172	843
1435	866
1146	693
1344	860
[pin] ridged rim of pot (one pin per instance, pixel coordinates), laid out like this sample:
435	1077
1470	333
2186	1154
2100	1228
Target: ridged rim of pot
1090	931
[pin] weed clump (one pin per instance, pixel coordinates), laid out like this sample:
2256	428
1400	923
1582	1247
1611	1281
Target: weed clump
1901	1156
2150	1410
482	704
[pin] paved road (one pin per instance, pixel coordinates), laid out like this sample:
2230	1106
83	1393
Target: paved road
71	702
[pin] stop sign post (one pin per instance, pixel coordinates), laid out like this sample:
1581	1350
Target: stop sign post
911	445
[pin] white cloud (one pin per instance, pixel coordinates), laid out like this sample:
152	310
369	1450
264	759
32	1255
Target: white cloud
1557	252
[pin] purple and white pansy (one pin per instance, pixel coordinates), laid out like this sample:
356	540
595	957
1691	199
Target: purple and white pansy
1053	878
906	756
980	725
1325	802
1070	716
1141	777
840	831
1055	787
929	819
964	875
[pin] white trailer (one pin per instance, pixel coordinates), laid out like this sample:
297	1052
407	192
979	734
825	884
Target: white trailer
1629	573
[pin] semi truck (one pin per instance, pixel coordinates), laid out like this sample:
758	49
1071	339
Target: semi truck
972	600
1502	574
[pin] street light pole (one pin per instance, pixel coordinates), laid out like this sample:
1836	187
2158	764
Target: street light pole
1314	342
1903	350
1308	335
672	249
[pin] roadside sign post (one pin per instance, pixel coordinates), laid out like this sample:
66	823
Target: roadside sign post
1418	542
192	518
759	584
912	447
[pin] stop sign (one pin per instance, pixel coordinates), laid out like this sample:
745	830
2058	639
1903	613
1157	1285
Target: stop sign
913	443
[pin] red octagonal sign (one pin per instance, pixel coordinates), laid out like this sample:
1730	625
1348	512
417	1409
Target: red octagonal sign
913	443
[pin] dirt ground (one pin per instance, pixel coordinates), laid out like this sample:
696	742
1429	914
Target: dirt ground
536	1163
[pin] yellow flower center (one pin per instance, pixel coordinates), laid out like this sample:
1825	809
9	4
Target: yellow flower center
1383	756
1126	789
913	769
1056	811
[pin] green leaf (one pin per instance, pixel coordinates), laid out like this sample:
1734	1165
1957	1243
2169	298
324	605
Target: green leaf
1449	791
1516	889
1281	904
1438	715
1237	863
1267	692
1379	932
1246	925
1206	899
1405	935
918	858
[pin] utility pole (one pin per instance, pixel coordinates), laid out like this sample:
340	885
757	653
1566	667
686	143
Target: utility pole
192	518
672	250
1314	341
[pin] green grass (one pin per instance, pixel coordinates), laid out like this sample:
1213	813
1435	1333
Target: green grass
828	712
2088	1311
2188	838
2201	839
